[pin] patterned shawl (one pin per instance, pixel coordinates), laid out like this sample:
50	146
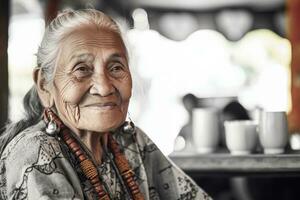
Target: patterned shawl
35	165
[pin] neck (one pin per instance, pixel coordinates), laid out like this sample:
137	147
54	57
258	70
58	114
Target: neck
95	142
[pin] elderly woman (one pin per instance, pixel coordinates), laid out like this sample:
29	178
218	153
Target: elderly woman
74	142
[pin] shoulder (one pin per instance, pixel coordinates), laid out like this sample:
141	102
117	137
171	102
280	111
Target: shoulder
144	142
142	138
33	163
32	148
138	137
27	144
30	151
165	178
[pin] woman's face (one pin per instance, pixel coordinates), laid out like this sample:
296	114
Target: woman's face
92	82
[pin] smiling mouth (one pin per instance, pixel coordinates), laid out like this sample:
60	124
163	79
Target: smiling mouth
102	106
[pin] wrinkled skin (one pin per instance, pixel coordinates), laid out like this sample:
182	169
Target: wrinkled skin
92	83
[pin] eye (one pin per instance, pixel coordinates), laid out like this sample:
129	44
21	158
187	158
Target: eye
117	69
82	70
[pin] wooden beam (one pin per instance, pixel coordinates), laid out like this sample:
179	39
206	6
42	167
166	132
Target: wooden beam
51	10
293	31
4	20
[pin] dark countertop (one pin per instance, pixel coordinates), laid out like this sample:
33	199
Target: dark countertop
247	165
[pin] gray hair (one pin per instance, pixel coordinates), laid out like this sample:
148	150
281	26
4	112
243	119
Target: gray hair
66	22
61	26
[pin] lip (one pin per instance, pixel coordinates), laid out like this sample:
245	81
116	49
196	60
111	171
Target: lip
102	106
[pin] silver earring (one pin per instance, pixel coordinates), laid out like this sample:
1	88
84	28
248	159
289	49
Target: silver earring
52	127
128	126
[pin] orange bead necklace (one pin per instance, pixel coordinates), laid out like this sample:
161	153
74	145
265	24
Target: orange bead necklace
88	167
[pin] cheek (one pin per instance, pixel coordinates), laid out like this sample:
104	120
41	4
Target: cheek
75	94
72	92
125	87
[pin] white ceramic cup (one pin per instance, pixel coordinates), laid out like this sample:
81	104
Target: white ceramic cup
206	129
241	136
273	133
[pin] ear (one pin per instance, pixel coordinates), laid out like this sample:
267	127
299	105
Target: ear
43	88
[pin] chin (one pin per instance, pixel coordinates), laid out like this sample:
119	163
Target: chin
101	125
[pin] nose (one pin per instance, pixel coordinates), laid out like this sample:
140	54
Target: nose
102	86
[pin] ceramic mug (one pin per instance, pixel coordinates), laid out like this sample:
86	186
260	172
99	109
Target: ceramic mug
273	133
241	136
206	129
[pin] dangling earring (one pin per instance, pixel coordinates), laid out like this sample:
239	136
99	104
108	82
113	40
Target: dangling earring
52	127
128	126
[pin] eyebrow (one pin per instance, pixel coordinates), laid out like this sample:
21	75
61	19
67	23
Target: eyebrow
81	56
117	56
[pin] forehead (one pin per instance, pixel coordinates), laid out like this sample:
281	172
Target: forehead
93	40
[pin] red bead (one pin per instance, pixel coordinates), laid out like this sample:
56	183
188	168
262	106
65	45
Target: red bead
98	188
127	175
131	184
70	141
130	179
66	133
101	193
135	192
134	187
74	146
95	180
78	153
82	158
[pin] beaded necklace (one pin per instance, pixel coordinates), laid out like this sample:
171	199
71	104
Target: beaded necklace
88	167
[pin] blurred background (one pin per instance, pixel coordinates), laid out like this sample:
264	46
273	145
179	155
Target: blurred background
212	49
235	55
